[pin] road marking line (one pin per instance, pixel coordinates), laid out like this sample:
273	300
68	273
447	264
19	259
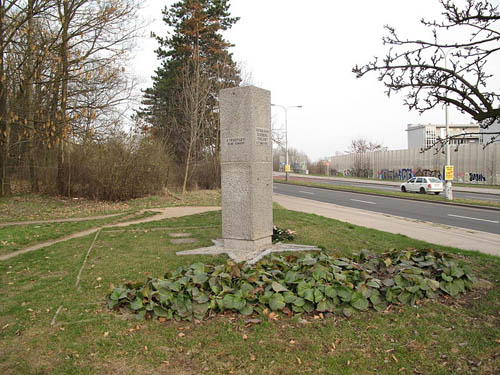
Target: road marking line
474	218
357	200
306	192
378	187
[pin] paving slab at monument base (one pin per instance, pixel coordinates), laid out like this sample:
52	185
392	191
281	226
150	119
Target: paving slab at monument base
246	255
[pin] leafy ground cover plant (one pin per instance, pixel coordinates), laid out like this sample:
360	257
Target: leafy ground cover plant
290	284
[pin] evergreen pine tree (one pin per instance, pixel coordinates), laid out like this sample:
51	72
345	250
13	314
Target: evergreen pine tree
182	105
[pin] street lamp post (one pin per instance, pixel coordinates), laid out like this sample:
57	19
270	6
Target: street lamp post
286	133
448	191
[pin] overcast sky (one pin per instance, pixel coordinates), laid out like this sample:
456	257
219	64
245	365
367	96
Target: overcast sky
304	51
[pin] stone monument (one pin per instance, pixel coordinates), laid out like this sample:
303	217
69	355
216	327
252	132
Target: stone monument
246	177
246	170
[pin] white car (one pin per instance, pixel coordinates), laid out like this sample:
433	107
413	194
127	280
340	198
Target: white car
423	185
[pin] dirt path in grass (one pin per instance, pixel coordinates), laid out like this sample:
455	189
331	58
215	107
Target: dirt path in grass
161	213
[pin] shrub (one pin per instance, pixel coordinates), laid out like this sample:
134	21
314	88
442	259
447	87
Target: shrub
120	168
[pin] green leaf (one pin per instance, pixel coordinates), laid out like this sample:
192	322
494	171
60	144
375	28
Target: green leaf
308	307
200	310
400	281
174	286
348	312
389	295
302	286
136	304
456	272
388	282
375	299
330	291
299	302
228	301
246	310
276	302
467	269
309	295
290	277
160	311
214	285
118	293
308	260
381	306
372	283
324	306
318	296
344	293
339	276
289	297
340	263
433	284
413	289
359	302
277	287
246	290
202	298
445	277
198	268
405	298
200	278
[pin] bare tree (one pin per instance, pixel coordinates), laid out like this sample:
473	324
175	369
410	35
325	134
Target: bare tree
359	147
420	68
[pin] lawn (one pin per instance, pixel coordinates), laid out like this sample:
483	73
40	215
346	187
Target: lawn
49	325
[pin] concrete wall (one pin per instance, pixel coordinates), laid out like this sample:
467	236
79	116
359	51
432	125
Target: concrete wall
472	163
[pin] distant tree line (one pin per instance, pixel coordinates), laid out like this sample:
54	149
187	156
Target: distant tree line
62	84
64	91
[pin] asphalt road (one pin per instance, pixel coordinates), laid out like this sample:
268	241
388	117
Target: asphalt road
456	194
463	217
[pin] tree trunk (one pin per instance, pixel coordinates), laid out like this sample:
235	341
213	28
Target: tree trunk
63	125
187	165
4	123
30	111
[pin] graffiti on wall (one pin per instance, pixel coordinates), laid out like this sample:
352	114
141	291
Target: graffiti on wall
474	177
395	174
428	173
406	173
471	177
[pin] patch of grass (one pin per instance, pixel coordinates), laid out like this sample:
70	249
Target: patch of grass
444	336
16	237
30	207
419	197
173	199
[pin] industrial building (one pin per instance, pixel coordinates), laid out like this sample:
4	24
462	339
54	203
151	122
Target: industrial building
424	136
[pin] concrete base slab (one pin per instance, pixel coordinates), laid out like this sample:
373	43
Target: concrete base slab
177	241
249	257
179	235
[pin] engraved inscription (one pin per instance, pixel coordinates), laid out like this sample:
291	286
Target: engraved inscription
262	136
235	141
